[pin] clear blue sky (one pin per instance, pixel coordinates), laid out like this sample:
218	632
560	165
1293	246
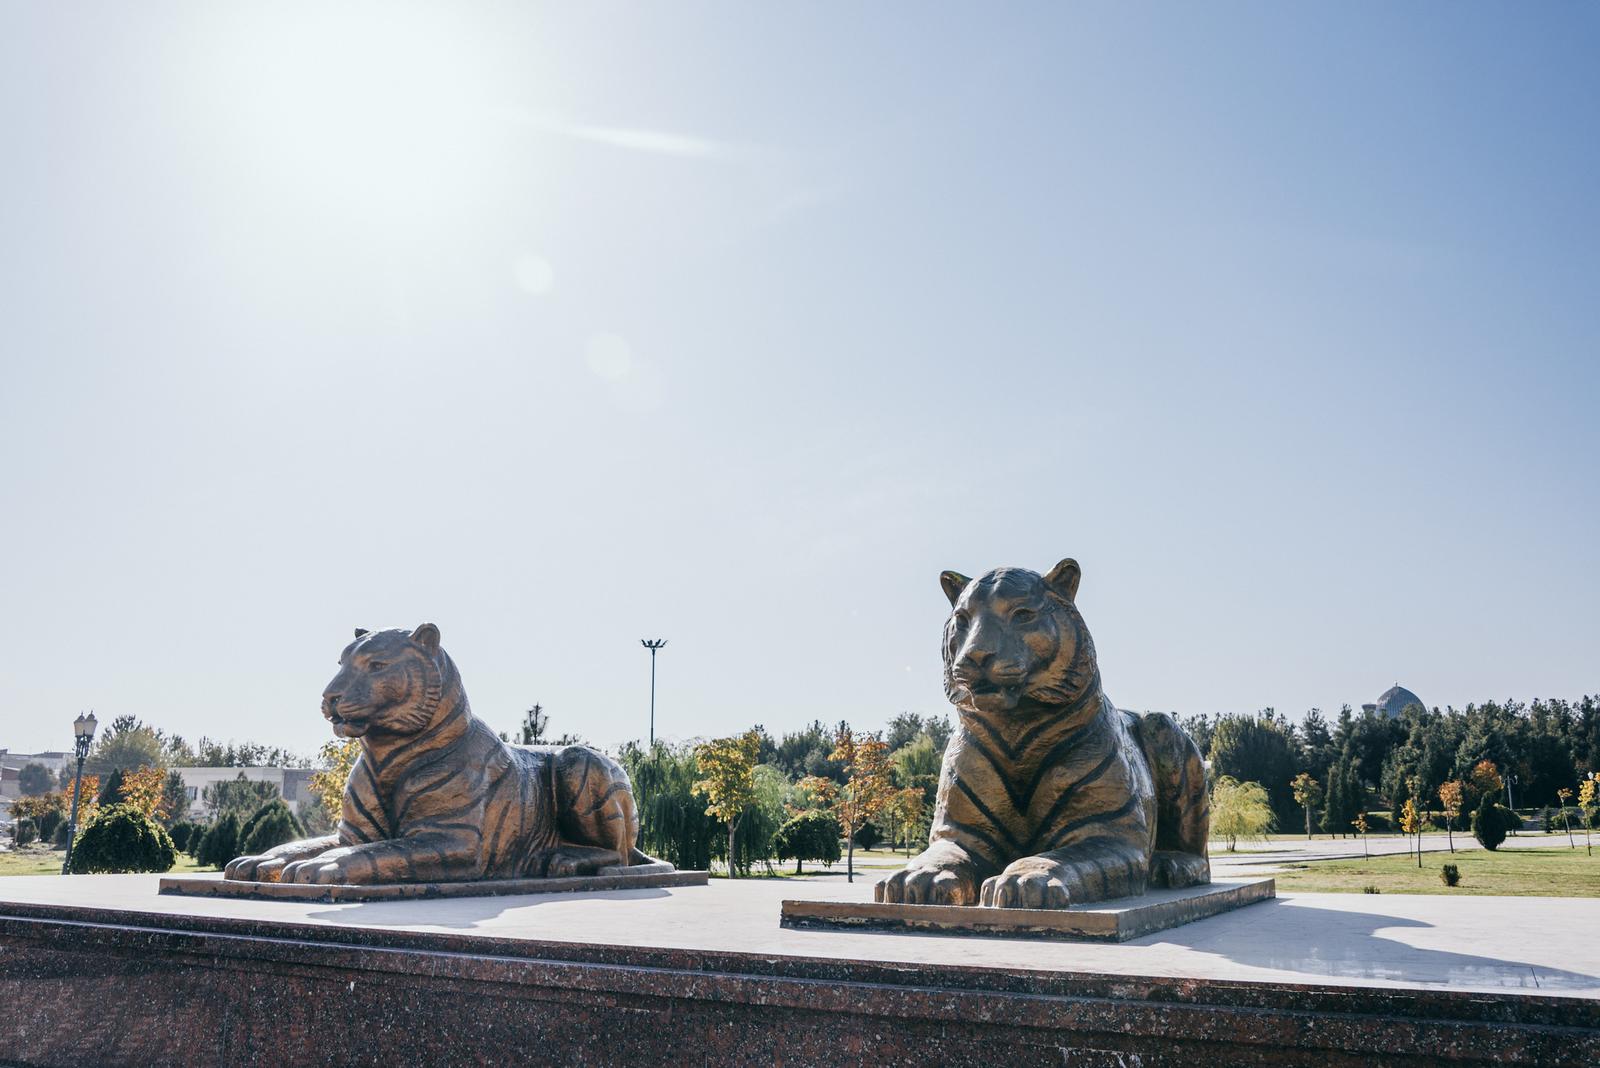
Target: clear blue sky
567	326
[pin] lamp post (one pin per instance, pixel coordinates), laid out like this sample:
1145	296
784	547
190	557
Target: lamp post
1511	801
82	736
652	644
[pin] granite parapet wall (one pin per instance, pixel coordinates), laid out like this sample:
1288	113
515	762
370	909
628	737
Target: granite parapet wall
86	986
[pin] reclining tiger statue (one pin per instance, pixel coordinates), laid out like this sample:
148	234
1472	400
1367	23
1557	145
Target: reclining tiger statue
435	795
1049	796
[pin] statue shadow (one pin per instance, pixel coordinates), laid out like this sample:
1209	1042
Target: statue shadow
461	912
1337	944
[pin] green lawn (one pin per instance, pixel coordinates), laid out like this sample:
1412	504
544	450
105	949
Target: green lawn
1511	872
31	860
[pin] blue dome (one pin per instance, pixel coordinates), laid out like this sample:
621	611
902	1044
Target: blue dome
1394	700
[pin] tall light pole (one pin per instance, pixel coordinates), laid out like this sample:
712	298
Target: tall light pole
82	736
652	644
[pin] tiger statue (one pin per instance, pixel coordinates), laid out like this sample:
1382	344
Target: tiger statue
1049	796
435	795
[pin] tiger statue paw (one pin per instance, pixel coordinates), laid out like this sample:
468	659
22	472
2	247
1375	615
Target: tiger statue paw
938	876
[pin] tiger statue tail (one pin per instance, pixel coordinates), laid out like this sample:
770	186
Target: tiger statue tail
1183	809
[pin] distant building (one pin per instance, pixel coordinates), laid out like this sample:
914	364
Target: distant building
1393	701
293	783
11	765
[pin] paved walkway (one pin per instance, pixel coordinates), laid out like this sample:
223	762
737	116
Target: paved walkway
1535	945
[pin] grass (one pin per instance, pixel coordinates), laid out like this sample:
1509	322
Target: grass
1511	872
32	860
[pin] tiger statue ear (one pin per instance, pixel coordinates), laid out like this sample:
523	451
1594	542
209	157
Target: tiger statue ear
1063	579
361	632
427	636
953	582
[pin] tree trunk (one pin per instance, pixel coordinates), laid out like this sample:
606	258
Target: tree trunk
732	830
797	865
1308	822
850	855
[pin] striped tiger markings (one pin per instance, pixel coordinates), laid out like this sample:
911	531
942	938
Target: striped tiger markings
435	795
1049	795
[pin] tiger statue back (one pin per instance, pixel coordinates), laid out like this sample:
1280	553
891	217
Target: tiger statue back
1049	796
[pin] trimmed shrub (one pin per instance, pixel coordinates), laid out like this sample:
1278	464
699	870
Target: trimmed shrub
1490	823
1379	823
1450	875
59	839
867	835
48	822
220	844
270	825
120	838
184	834
24	831
1369	889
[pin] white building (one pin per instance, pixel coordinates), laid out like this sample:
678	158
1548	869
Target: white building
293	783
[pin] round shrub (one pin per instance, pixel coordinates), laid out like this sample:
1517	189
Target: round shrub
63	833
24	831
270	825
868	835
221	843
120	838
812	835
1450	875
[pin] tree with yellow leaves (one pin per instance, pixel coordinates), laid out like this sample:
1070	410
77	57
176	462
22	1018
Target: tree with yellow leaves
1452	795
143	789
728	782
1411	823
868	788
338	761
1586	804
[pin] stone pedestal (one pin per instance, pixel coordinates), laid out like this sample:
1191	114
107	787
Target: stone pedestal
125	977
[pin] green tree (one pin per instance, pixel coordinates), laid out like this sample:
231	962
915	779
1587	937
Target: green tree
111	789
727	781
127	745
270	825
812	835
1257	749
220	843
174	799
240	795
35	779
1239	810
673	823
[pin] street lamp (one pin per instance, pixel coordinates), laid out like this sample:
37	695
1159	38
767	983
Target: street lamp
652	644
82	736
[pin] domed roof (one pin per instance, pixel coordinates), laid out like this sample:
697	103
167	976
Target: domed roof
1394	700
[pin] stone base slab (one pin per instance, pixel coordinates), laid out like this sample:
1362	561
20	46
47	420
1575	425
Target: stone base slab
1106	921
215	886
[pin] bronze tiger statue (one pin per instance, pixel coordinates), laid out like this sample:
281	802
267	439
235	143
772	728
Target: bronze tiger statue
1049	796
435	795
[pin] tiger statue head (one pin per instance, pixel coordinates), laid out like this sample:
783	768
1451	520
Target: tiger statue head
1014	642
389	681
